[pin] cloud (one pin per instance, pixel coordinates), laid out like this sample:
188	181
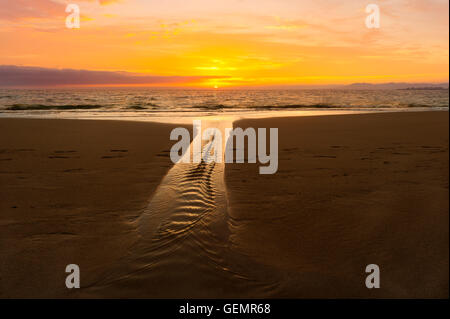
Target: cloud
18	9
102	2
23	9
105	2
17	76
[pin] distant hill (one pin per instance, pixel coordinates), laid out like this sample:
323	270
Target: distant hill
358	86
395	86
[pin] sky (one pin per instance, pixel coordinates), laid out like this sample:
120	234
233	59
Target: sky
215	43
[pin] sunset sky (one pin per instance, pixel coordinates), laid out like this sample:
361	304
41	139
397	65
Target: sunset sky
228	43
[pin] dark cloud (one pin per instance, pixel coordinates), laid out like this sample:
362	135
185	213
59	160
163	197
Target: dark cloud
17	76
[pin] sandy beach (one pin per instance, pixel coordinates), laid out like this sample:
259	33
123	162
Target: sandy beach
69	190
350	190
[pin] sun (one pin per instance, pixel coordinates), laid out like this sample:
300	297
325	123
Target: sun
216	86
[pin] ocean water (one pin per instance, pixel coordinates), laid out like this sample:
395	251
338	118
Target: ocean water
148	103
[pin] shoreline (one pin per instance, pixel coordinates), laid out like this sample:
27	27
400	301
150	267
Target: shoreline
172	118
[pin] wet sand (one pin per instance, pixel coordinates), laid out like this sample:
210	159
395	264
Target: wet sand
69	191
350	190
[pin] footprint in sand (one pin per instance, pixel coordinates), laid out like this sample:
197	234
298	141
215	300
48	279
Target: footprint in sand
117	153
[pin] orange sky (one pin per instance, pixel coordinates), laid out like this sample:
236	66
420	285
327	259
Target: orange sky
235	42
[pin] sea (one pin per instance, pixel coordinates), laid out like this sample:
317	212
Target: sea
169	103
